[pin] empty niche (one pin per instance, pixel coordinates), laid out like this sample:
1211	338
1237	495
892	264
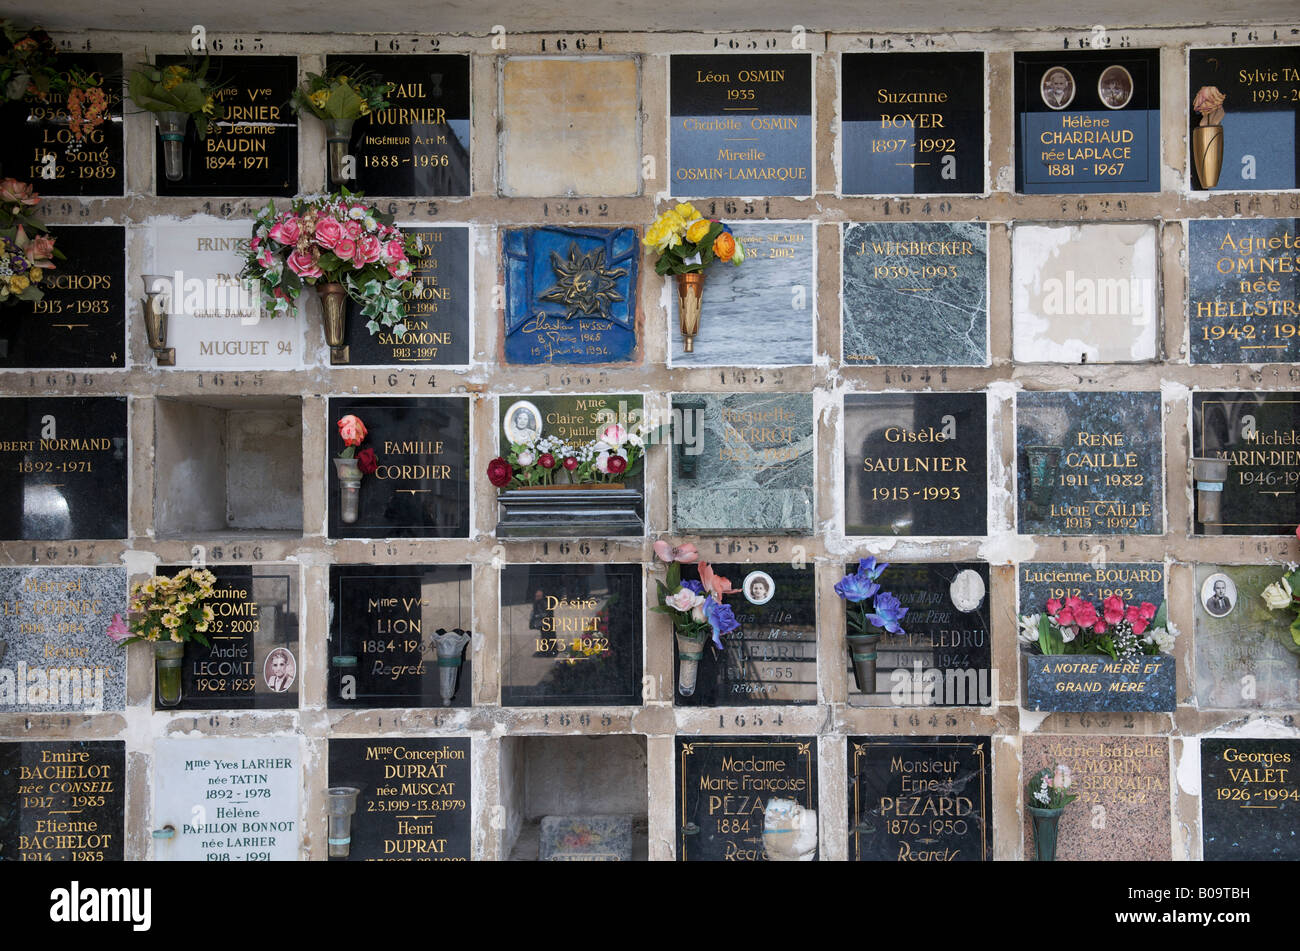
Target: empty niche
579	790
227	464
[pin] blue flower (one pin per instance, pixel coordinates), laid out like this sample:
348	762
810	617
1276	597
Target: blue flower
888	612
856	587
721	619
869	568
693	586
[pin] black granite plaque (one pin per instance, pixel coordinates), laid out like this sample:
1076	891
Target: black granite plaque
723	785
915	464
254	660
81	321
383	621
1087	121
1243	297
943	657
1100	683
1259	435
66	464
420	144
62	801
415	797
253	151
1089	464
421	488
1134	582
920	799
1250	794
437	322
772	658
913	123
571	635
741	124
38	146
1261	114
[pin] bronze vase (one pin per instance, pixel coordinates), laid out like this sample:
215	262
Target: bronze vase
334	310
1207	153
690	289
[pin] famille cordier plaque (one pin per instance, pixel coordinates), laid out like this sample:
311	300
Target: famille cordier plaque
772	657
1250	793
253	149
1089	464
943	657
254	658
229	799
1246	657
931	277
1243	298
912	123
915	464
420	488
1258	436
437	322
571	635
414	801
724	785
920	799
67	463
1087	121
62	801
41	145
1244	117
81	320
53	655
743	463
420	144
741	124
760	314
400	636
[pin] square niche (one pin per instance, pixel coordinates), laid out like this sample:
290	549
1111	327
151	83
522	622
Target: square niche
227	464
567	795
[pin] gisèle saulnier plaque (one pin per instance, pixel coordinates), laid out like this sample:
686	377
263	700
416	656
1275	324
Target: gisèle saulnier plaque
67	463
420	144
1258	435
386	623
62	801
912	123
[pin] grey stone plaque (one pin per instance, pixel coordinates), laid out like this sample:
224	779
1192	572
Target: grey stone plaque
1245	655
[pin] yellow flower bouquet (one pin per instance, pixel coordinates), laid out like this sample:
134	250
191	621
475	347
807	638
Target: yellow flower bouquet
687	243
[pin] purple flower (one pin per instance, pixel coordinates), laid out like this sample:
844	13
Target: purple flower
856	587
872	570
888	612
693	586
721	618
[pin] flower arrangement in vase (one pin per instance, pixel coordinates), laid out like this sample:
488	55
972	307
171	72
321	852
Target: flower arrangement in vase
339	97
697	610
168	613
1046	796
687	243
1118	631
870	614
351	464
24	256
176	94
1207	136
27	62
343	247
1283	593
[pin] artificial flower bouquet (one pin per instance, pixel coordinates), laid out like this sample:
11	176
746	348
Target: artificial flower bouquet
1284	593
687	242
27	62
168	609
697	610
351	464
179	88
340	94
26	250
1208	104
1049	788
615	455
334	239
873	614
1119	631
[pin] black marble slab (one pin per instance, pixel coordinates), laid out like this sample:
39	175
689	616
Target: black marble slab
1250	794
62	801
1259	435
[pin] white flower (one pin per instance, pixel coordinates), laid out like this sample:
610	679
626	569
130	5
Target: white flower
1068	633
614	435
1278	595
1064	779
684	600
697	612
370	223
1042	794
602	462
1164	640
526	458
1291	566
1029	629
634	440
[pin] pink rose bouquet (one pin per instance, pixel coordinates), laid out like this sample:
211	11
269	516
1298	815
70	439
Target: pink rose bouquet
26	250
1076	626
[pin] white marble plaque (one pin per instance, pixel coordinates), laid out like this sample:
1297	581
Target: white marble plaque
228	799
214	322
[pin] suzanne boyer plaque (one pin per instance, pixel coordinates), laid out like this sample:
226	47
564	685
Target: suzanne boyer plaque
39	146
81	320
1260	87
230	799
415	797
1087	122
920	799
438	310
1258	434
383	621
253	149
66	462
740	124
62	801
912	123
1250	794
1243	293
420	144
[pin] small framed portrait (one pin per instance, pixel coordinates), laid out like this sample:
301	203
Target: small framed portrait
523	422
279	670
758	587
1115	87
967	591
1218	595
1057	87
